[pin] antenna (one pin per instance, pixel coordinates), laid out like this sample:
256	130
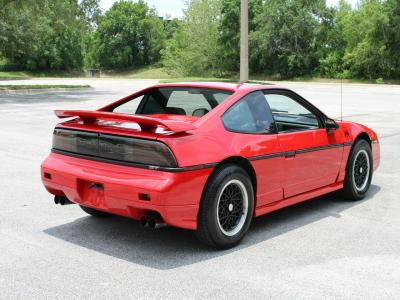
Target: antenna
341	99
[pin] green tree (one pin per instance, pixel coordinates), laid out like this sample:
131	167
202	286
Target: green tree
130	34
285	39
365	31
332	44
229	28
63	49
193	50
90	12
392	9
19	36
41	35
170	26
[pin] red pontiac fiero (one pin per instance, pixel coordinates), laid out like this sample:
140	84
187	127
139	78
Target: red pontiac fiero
206	156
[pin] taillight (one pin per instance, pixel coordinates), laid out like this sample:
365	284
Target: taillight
76	141
112	147
135	150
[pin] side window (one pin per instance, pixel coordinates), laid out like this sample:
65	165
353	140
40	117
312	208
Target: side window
251	114
129	107
289	115
185	103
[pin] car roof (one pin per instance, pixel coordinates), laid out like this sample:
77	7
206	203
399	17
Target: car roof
229	86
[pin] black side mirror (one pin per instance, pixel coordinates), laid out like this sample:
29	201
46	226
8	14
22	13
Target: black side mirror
330	125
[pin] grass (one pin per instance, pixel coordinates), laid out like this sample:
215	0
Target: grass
318	79
42	86
156	72
10	75
181	79
149	72
265	79
14	75
58	74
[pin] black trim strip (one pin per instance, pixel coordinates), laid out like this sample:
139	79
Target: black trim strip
306	150
198	167
266	156
136	165
290	153
299	151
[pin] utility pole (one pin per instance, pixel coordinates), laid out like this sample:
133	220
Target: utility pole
244	40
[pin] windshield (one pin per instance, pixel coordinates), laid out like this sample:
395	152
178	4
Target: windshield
174	100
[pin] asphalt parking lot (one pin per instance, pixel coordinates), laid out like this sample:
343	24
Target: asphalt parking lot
323	248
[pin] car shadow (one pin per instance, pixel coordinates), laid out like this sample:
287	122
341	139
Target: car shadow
169	248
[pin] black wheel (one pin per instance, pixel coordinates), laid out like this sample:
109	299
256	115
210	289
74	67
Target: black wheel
226	208
358	171
94	212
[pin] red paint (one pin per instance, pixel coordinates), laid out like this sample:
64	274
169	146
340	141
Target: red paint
280	181
145	122
310	170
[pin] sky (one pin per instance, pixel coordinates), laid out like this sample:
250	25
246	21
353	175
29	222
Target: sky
174	7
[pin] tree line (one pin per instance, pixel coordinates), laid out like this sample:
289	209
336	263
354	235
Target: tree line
287	38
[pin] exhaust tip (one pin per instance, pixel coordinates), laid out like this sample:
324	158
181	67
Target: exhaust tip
159	225
156	223
62	200
153	220
152	223
143	221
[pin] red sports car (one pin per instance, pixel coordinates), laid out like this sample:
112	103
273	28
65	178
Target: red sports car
207	157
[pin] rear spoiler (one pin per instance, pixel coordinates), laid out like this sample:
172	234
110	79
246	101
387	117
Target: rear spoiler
145	122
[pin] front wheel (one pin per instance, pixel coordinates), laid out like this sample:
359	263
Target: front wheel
226	208
358	171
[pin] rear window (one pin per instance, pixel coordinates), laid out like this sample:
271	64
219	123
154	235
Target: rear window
174	100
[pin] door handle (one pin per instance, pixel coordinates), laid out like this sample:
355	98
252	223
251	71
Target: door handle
290	154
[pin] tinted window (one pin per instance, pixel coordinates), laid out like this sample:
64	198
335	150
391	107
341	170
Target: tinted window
182	102
251	114
129	107
174	100
153	105
220	97
290	115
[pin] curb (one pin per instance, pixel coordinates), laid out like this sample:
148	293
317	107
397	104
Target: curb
42	91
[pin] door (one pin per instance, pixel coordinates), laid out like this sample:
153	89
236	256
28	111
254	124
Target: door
254	136
312	156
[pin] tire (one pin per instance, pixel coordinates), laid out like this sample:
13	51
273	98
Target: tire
359	171
94	212
226	208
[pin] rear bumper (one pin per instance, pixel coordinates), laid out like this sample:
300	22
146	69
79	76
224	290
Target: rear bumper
175	196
